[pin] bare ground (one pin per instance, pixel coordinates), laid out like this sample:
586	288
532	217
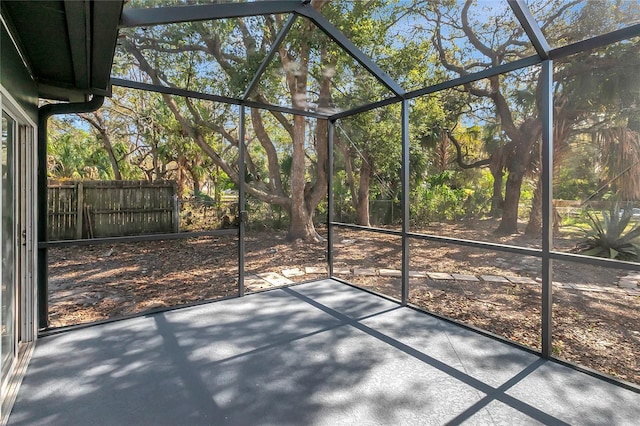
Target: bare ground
596	323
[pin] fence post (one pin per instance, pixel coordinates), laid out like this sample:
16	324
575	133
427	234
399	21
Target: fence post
79	209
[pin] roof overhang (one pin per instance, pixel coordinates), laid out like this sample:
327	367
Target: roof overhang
67	45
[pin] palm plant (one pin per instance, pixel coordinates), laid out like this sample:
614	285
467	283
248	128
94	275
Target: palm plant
613	236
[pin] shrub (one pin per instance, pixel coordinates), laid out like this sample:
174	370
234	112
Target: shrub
613	236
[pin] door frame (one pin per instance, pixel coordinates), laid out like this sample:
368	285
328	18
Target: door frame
25	151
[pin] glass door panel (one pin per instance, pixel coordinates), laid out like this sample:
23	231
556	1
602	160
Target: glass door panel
8	296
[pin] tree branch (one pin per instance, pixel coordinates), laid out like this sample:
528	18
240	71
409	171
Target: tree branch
475	41
459	159
275	179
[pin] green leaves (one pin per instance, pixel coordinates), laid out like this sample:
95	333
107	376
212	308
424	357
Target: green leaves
614	236
76	154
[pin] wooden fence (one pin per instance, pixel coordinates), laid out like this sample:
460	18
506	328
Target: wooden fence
93	209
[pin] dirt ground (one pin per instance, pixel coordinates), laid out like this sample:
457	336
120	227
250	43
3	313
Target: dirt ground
596	323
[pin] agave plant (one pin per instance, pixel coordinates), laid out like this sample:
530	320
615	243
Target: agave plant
613	236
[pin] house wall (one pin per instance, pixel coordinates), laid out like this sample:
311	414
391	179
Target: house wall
19	105
15	78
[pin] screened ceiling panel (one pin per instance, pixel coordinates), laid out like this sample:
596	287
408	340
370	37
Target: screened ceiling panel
565	22
312	73
218	57
474	37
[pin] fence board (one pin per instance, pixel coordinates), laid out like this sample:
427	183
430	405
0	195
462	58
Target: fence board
113	208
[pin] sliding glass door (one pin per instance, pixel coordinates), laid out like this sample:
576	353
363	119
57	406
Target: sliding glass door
9	287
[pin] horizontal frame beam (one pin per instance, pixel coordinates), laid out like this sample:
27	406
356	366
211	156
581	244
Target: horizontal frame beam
385	231
568	257
594	261
365	108
214	98
446	240
595	42
136	238
470	78
477	244
130	84
177	14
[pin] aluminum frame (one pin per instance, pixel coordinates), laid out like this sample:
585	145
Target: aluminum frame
44	113
242	213
137	238
405	203
330	200
544	56
129	84
194	13
546	114
595	42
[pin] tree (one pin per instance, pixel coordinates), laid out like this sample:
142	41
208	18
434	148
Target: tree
494	43
369	145
468	39
205	42
74	153
97	120
602	95
310	72
305	73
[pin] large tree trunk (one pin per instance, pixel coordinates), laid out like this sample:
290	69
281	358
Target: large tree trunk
348	168
519	158
305	196
517	167
509	222
496	167
301	225
497	202
359	194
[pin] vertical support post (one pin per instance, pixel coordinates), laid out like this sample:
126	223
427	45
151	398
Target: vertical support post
242	214
330	205
546	115
79	209
44	112
405	202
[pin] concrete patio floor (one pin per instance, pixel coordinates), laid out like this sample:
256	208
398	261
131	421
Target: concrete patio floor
320	353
